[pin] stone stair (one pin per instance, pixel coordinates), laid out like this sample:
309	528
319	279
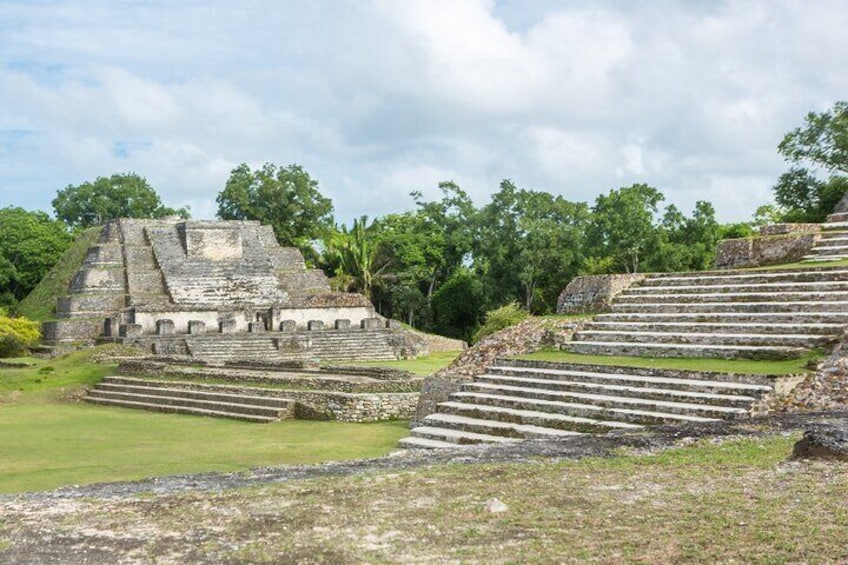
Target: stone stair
262	406
323	345
515	400
777	314
832	245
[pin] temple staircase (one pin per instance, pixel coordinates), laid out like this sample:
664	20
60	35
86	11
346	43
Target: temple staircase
833	243
758	315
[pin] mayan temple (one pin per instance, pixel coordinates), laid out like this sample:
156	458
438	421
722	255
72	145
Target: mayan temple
217	291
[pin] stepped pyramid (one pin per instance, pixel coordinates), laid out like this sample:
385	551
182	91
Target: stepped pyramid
217	291
733	314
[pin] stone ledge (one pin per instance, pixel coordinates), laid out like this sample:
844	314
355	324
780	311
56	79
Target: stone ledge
594	293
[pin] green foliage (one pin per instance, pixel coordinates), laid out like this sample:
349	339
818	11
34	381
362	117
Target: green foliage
529	243
17	335
119	196
40	303
286	198
735	231
354	255
822	141
622	226
457	305
30	243
501	318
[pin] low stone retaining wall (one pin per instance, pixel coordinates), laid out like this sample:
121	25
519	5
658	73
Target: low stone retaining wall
594	293
315	405
762	251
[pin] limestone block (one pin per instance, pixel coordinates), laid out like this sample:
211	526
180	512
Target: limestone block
393	324
765	250
165	327
288	326
342	324
227	326
196	327
315	325
594	293
256	327
93	280
371	323
130	330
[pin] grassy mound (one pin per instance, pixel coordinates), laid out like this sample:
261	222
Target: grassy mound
40	304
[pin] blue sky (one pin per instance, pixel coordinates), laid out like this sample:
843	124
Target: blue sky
379	98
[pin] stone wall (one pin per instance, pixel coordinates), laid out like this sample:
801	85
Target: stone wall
762	251
594	293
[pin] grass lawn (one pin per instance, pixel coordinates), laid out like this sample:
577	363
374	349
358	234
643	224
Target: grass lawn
420	366
785	367
47	441
47	445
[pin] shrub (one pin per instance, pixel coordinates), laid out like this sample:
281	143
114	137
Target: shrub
501	318
17	334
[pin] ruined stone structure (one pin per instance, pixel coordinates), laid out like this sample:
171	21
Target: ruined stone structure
217	291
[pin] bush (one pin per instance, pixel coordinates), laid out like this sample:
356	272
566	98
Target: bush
501	318
17	334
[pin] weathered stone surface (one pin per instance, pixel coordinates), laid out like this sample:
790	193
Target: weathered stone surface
196	327
824	443
371	323
342	324
164	327
594	293
288	326
530	335
130	330
763	251
227	326
780	229
315	325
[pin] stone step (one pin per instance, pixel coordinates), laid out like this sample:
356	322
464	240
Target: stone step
758	352
462	437
732	297
664	377
619	408
731	307
837	217
741	287
715	327
154	407
806	318
735	277
231	407
823	258
536	418
545	387
505	429
414	442
189	390
732	339
837	225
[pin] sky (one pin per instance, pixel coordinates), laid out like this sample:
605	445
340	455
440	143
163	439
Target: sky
378	98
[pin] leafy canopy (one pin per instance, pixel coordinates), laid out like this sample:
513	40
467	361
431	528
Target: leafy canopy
119	196
286	198
30	244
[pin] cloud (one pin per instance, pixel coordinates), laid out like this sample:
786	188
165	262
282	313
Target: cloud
378	98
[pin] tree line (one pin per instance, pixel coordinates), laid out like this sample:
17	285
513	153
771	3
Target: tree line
441	265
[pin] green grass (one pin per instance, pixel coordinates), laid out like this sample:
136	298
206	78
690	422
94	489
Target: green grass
420	366
40	303
47	441
810	265
43	446
785	367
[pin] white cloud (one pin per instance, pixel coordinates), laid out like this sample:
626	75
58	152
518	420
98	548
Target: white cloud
379	98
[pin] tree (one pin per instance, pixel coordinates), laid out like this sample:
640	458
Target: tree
823	141
119	196
286	198
355	256
458	305
622	232
530	243
32	242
